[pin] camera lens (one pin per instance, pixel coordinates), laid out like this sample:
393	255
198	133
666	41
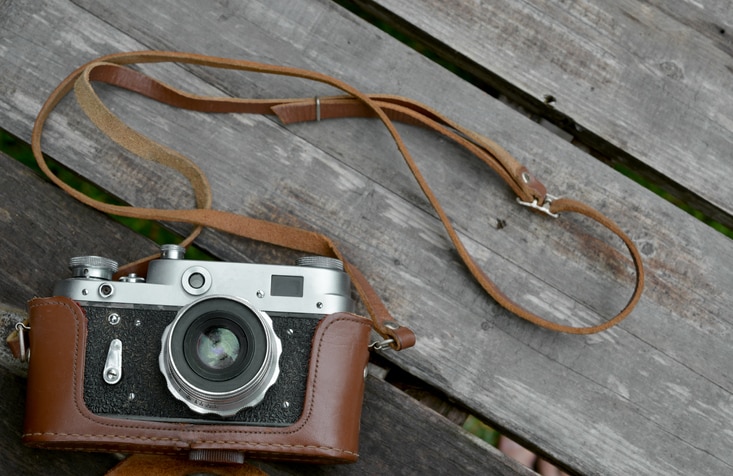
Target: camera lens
219	355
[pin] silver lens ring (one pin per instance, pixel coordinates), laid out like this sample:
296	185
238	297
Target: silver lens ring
219	355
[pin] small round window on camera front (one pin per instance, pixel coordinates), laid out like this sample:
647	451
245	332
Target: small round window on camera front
196	280
106	290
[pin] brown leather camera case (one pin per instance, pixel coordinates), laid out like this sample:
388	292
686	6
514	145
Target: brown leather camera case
327	431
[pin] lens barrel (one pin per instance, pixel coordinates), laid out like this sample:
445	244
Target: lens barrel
219	355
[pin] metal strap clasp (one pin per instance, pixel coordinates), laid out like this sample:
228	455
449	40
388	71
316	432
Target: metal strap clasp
381	345
24	350
544	208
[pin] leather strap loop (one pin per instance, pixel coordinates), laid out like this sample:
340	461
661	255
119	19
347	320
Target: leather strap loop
110	69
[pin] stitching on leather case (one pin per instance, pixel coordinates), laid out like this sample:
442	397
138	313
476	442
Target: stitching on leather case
85	413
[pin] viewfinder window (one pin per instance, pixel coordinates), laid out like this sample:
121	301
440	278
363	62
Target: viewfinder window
287	286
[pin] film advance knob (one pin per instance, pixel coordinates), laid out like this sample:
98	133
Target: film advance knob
320	262
92	267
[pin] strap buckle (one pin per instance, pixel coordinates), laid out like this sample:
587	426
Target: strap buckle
544	208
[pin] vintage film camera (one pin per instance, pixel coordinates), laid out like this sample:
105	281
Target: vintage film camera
217	359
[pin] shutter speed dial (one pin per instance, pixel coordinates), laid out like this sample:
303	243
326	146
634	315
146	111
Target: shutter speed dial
95	267
321	262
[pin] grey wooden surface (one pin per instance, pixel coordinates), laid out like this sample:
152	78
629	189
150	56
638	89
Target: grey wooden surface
642	80
652	396
57	222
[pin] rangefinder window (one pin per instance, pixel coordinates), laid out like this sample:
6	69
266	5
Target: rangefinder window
287	286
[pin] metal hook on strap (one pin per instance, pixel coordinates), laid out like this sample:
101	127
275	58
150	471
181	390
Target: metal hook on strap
381	345
24	350
544	208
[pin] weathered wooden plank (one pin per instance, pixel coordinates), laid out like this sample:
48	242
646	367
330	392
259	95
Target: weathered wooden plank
646	81
651	396
52	212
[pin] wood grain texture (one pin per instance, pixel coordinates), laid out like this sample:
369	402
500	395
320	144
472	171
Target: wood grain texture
653	396
651	79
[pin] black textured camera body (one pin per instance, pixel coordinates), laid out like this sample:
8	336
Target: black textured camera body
142	392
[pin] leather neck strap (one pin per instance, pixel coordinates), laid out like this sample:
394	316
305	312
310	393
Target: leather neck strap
110	69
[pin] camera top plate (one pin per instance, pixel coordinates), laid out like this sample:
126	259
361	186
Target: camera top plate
177	282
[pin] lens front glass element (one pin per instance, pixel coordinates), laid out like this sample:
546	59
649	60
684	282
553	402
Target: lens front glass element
220	344
217	348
